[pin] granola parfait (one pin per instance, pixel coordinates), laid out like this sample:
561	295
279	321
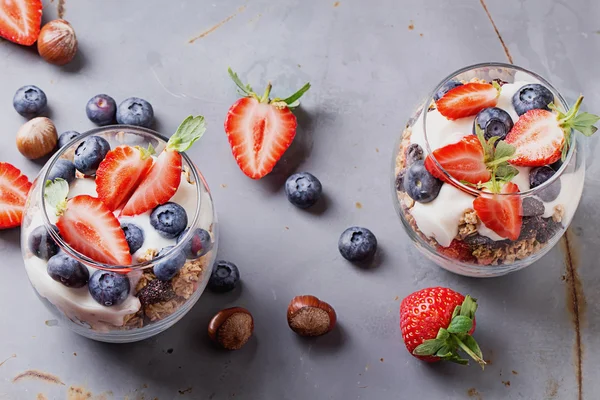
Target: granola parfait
119	233
489	171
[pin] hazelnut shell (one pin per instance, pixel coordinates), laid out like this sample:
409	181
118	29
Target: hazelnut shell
309	316
37	138
57	43
231	328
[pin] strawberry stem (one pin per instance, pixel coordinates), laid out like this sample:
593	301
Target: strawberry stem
246	89
265	96
471	354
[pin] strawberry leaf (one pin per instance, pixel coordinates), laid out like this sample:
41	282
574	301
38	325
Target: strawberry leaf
460	324
246	90
55	193
506	172
468	307
428	347
472	345
190	130
296	96
504	150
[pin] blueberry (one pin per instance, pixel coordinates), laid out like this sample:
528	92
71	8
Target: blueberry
66	137
357	244
530	97
556	166
167	268
169	219
539	175
420	185
446	87
303	189
109	288
134	236
64	169
135	111
493	121
68	271
414	153
225	276
198	245
101	109
41	244
30	101
532	207
400	180
90	153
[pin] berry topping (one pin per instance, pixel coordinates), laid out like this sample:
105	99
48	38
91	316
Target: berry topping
198	245
463	160
458	250
501	212
414	153
166	269
14	188
357	244
63	169
547	229
446	87
169	219
493	121
20	21
134	235
135	111
41	244
66	137
468	99
437	322
163	178
109	288
530	97
68	271
225	276
156	291
303	189
532	207
29	101
90	153
538	176
419	184
260	129
101	109
120	173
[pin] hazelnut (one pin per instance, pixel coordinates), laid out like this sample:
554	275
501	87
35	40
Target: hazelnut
57	42
37	138
231	328
309	316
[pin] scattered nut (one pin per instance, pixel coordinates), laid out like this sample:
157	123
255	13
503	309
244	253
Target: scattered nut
231	327
309	316
57	42
37	138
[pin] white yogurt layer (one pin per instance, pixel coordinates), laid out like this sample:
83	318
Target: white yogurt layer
78	304
571	188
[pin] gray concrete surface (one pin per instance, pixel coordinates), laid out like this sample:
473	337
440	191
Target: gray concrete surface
370	63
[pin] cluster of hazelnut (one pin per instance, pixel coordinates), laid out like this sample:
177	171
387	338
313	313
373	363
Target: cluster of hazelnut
231	328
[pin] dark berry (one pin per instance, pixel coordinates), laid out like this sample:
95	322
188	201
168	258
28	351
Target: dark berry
167	268
538	176
420	185
400	180
134	236
446	87
530	227
66	137
414	153
476	239
198	245
530	97
101	109
556	166
63	169
90	153
109	288
156	291
549	230
357	244
41	244
493	121
532	207
169	219
68	271
225	276
30	101
303	189
135	111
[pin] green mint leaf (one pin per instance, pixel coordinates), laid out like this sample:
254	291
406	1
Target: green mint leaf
506	172
246	89
296	96
55	193
460	324
504	150
472	345
190	130
587	130
468	307
428	347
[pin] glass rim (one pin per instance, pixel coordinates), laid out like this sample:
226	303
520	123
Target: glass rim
197	176
473	191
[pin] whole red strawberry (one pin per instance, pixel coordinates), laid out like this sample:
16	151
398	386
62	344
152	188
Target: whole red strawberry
436	322
260	129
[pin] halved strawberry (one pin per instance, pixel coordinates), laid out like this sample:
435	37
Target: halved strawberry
259	129
464	160
501	212
457	250
14	188
468	99
20	20
120	173
163	179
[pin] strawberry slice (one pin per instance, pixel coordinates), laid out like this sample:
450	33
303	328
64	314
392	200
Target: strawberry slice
457	250
120	173
164	176
501	213
14	188
463	160
259	129
20	20
468	99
